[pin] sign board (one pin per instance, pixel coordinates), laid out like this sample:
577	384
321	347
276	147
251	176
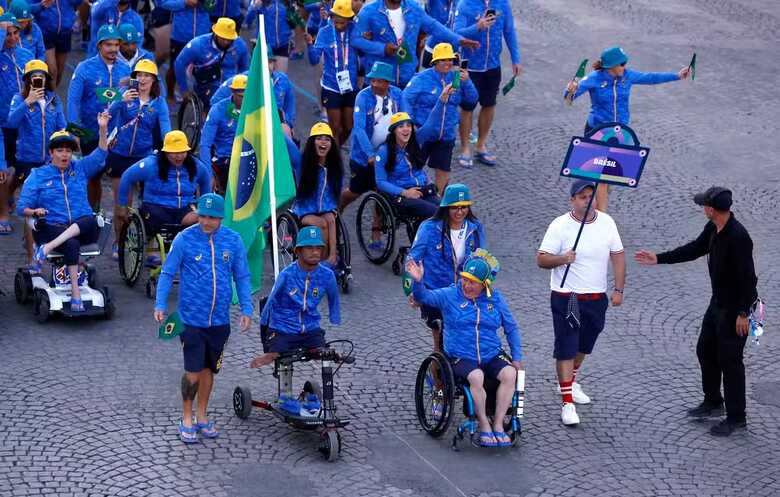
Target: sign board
605	163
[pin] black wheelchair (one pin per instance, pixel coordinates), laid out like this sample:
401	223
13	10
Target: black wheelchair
287	226
135	243
377	222
434	396
324	419
191	116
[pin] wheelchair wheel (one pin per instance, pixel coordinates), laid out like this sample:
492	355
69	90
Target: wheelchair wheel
191	119
434	394
242	402
330	445
286	232
375	225
132	242
345	254
23	288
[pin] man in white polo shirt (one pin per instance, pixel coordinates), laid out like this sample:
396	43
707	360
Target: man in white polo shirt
578	319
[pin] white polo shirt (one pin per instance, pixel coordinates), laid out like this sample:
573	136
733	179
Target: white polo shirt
588	273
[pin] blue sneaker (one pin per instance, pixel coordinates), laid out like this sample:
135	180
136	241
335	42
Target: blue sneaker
289	404
153	261
312	403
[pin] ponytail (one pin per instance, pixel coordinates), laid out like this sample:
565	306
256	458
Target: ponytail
598	65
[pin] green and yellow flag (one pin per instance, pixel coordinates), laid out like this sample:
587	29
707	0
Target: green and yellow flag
248	195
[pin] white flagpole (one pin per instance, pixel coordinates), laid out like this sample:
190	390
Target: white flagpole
269	140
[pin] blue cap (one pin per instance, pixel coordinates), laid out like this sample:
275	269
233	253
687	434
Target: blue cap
456	194
10	19
613	57
128	33
381	70
309	236
108	32
580	185
21	10
476	269
211	204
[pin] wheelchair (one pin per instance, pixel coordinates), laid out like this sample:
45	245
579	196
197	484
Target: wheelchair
287	226
52	296
134	245
376	214
322	419
191	117
436	390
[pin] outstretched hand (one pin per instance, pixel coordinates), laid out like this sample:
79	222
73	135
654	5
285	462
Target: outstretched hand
415	270
646	257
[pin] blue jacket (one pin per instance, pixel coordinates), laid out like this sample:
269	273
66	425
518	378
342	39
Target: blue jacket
363	129
61	192
609	97
3	165
107	12
315	22
203	52
277	31
12	61
373	18
177	191
422	93
139	128
91	74
330	46
188	22
140	54
32	40
488	55
471	326
35	127
208	265
324	199
283	91
292	305
434	249
56	18
227	8
219	130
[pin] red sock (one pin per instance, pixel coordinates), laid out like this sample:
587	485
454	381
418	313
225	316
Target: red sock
566	392
574	374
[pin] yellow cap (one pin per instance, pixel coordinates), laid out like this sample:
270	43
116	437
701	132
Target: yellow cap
239	82
225	28
175	142
343	8
398	118
442	51
36	65
320	129
2	11
147	66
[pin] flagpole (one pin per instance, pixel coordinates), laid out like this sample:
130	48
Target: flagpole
269	140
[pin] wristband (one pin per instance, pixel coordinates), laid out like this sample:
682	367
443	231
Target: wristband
618	290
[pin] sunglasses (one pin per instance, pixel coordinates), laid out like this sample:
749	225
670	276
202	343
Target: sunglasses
459	207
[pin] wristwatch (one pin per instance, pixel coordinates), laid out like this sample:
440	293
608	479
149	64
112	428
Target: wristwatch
618	290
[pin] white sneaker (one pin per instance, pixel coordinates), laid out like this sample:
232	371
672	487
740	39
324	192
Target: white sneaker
569	415
579	396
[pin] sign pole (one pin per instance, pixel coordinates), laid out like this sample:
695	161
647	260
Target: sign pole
579	233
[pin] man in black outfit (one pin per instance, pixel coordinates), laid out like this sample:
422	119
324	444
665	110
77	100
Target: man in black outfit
724	329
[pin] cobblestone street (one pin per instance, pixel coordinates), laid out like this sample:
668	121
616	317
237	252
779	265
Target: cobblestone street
90	408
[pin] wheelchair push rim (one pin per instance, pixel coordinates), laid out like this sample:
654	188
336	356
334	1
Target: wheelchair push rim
131	246
434	394
286	232
191	119
375	225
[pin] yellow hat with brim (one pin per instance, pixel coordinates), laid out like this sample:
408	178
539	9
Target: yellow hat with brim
225	28
321	129
442	51
36	65
147	66
176	142
62	138
343	8
397	119
239	82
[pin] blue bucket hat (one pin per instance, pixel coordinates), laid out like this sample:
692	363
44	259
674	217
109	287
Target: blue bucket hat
21	10
455	195
613	57
309	236
481	267
381	70
108	32
128	33
211	204
10	19
580	185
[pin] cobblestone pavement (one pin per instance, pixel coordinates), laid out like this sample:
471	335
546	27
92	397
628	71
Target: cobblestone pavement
89	408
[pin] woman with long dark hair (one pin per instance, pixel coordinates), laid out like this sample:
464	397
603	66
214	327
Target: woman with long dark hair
319	185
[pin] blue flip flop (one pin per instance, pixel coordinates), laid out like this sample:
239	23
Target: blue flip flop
465	161
188	434
483	435
486	158
207	429
76	305
498	435
6	228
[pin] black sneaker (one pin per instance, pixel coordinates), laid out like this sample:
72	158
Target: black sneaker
706	409
727	427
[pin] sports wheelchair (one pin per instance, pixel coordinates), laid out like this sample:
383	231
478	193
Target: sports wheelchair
434	396
323	416
191	117
134	245
287	226
376	215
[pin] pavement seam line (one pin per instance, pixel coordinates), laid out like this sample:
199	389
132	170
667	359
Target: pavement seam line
429	463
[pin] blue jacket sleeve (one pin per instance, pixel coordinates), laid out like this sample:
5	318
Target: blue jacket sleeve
75	90
295	158
204	178
483	243
289	105
652	78
381	174
375	48
465	24
99	8
40	48
29	196
468	92
243	59
359	123
437	29
94	162
334	312
398	95
242	278
429	131
16	112
132	175
169	270
315	50
431	298
172	5
208	134
163	117
586	84
184	59
409	95
511	330
279	286
420	245
510	35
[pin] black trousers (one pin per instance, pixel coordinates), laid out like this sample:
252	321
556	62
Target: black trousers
720	352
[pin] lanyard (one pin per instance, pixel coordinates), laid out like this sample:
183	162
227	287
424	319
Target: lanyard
16	72
345	49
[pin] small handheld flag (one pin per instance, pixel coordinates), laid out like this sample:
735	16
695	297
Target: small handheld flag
508	87
692	67
84	134
171	328
406	282
577	77
107	94
403	54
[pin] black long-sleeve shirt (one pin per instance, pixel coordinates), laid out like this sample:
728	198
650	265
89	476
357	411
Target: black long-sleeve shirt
730	262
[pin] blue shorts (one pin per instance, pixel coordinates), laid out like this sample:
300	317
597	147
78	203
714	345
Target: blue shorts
336	100
438	154
277	341
60	42
487	84
570	340
462	367
362	178
155	216
117	164
88	233
203	347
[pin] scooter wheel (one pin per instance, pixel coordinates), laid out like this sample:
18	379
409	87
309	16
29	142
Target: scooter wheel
330	445
242	402
42	306
21	287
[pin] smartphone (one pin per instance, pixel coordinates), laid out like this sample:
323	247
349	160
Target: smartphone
37	83
464	64
133	84
456	79
490	12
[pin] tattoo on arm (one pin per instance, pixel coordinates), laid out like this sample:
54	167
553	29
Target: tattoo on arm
188	390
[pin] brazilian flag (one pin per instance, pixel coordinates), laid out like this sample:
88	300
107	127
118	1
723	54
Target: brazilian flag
247	198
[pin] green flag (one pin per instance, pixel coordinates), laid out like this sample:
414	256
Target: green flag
403	55
692	66
84	134
581	70
406	283
107	94
171	328
248	198
508	87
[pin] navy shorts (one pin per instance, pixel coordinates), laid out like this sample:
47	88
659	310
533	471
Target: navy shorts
487	84
430	315
22	169
570	340
336	100
438	154
155	216
277	341
117	164
281	51
88	233
203	347
362	178
462	367
59	42
9	141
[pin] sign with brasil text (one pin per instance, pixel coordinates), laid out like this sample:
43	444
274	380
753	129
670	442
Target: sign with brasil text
606	163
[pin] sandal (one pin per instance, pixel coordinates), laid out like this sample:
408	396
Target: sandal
486	158
188	434
487	439
502	439
207	429
465	161
6	228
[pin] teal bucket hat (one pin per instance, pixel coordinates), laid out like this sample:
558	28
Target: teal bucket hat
309	236
21	10
128	33
212	205
108	32
381	70
455	195
481	267
613	57
9	19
